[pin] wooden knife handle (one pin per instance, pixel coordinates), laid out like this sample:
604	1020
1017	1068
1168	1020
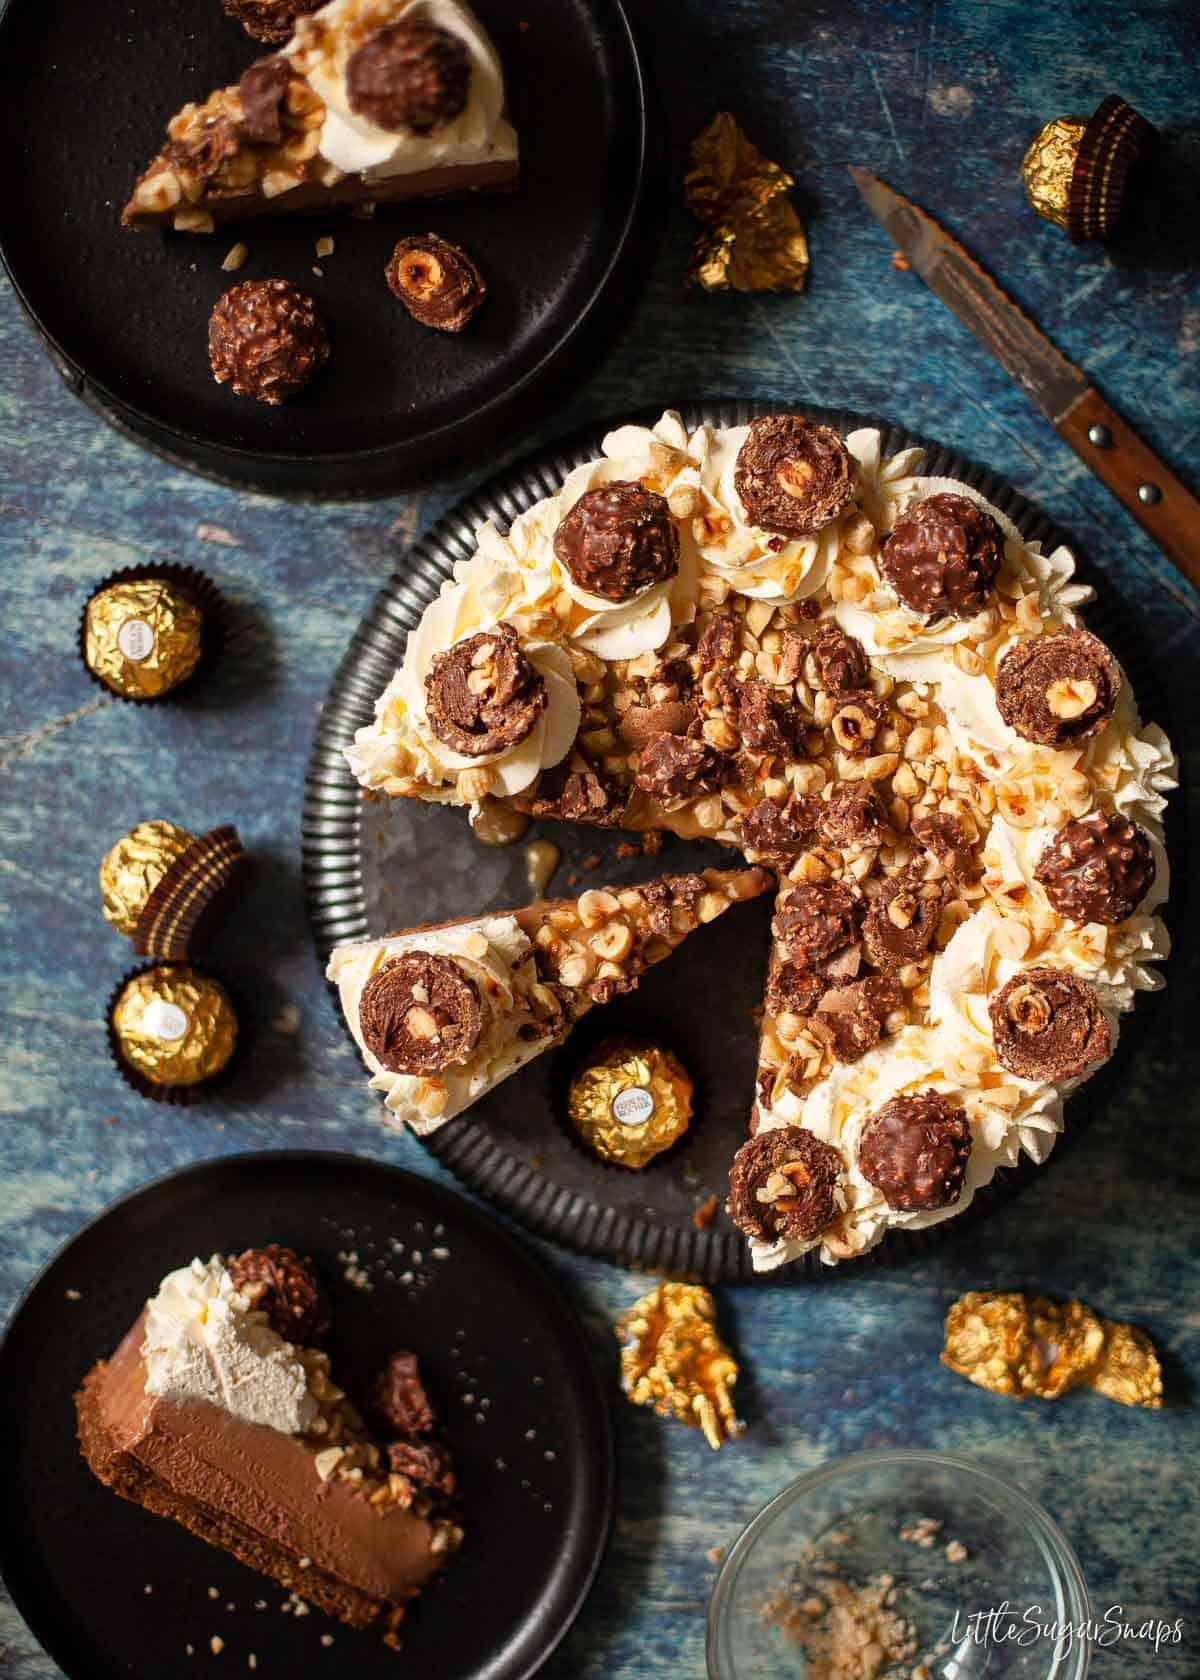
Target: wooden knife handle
1135	475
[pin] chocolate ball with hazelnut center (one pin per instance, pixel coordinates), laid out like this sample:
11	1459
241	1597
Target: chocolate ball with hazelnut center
915	1149
436	281
1048	1025
1097	869
793	476
412	74
1058	689
618	540
942	558
269	20
277	1282
266	340
783	1185
420	1013
484	694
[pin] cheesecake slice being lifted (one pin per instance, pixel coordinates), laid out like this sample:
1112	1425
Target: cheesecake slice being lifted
442	1014
370	101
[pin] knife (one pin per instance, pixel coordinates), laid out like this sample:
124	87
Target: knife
1079	414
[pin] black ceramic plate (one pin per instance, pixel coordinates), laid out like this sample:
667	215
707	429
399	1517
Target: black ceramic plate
125	315
371	867
111	1590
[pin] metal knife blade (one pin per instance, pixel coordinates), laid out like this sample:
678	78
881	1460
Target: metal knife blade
998	323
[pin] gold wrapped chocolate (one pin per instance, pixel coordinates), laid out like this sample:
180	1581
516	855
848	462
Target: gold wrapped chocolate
673	1359
142	637
174	1026
630	1100
754	240
1018	1345
1077	169
133	868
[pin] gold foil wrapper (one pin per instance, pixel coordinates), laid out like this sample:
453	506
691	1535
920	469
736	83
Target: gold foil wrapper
1048	167
754	240
142	637
630	1100
1018	1345
175	1026
673	1359
133	868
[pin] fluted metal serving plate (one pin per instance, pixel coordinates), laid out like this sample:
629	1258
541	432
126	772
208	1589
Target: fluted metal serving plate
374	866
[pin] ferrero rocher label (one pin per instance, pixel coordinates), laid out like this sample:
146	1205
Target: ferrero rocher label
174	1025
673	1359
754	240
1018	1345
1049	165
133	868
630	1100
142	638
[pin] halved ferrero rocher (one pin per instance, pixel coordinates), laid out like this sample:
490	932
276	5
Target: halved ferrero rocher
158	882
942	557
172	1030
901	923
412	74
484	694
277	1282
1098	868
784	1184
420	1013
1048	1024
618	540
436	281
1059	689
792	474
915	1150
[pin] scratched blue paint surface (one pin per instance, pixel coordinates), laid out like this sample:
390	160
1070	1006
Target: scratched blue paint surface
940	98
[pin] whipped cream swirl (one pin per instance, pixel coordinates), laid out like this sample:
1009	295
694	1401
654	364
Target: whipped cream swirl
205	1344
320	50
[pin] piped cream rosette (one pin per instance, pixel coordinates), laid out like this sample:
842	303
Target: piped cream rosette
955	1055
494	953
400	753
900	641
349	142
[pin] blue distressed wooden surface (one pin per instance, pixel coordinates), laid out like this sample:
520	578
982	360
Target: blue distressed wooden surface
940	97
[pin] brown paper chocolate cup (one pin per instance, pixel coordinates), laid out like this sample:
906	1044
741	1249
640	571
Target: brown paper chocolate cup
177	1096
167	927
201	590
1114	142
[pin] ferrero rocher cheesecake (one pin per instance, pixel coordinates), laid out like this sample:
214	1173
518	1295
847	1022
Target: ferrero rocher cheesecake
369	102
443	1014
869	680
219	1410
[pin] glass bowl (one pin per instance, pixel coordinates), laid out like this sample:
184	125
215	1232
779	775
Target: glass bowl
1009	1601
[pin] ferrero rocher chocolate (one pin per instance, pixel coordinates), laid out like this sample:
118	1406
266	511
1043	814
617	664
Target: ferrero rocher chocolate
1077	170
142	636
174	1026
134	867
673	1359
753	239
630	1100
1018	1345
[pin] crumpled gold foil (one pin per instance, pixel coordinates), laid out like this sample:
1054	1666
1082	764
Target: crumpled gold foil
1048	166
630	1100
673	1359
174	1025
142	638
1018	1345
754	240
133	868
